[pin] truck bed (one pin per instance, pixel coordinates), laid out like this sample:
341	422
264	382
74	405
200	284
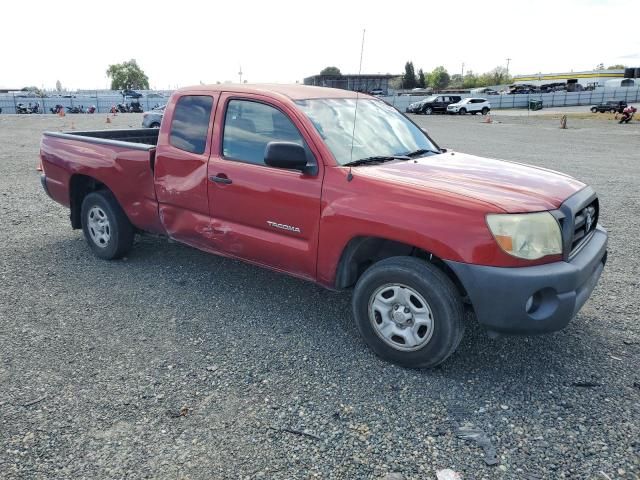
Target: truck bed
121	160
136	138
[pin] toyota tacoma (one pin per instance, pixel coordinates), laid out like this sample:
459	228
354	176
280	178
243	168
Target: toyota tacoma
341	189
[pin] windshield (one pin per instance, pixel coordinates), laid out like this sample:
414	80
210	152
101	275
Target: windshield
380	129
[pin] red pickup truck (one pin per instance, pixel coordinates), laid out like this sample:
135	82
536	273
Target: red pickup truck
343	190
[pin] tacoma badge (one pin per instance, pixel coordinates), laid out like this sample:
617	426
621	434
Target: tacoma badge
282	226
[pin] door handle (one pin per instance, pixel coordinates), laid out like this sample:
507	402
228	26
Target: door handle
221	178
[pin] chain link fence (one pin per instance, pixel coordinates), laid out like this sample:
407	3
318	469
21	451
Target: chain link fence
103	101
553	99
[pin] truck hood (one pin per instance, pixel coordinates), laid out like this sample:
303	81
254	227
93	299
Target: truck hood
509	186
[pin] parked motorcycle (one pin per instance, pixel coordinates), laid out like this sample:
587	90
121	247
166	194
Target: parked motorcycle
135	107
123	107
74	110
91	109
57	109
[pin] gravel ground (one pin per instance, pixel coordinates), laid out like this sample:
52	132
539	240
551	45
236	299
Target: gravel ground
177	364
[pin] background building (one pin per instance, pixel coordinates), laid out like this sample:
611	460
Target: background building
591	78
356	83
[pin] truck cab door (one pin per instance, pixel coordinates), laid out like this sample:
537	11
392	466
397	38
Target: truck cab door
259	213
180	170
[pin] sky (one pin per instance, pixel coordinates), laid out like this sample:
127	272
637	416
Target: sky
188	42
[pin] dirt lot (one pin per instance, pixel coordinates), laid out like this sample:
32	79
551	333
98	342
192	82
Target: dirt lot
177	364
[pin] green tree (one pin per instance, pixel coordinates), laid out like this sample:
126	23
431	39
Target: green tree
34	90
439	78
396	83
422	81
617	66
470	80
330	71
409	78
600	66
456	81
127	75
498	76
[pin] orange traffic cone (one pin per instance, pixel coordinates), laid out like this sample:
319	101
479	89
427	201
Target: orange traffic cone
488	119
61	113
108	119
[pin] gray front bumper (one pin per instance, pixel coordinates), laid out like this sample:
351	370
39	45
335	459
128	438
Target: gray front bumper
499	295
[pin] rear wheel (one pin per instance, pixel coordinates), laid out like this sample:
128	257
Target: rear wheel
428	111
106	226
155	125
594	109
485	110
408	312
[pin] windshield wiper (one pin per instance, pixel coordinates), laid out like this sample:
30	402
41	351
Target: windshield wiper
420	151
376	159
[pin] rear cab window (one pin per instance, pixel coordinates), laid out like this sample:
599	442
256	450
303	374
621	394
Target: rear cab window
190	123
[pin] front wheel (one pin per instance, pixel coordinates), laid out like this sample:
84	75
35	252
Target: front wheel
462	111
105	225
408	312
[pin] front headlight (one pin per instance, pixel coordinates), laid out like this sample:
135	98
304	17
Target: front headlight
526	235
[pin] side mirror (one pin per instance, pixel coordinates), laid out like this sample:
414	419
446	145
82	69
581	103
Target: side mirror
287	155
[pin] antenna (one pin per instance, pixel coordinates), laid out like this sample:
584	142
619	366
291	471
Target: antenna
355	113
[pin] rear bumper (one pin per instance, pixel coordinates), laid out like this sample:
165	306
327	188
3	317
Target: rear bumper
536	299
43	182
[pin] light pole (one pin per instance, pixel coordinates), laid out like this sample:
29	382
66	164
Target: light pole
240	73
508	60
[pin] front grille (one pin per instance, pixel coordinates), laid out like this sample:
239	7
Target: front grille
584	224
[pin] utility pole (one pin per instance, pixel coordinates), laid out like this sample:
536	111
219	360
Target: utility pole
240	73
462	70
508	60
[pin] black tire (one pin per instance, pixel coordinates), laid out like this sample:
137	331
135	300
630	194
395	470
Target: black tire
485	110
155	125
438	291
594	109
462	111
474	113
119	228
427	111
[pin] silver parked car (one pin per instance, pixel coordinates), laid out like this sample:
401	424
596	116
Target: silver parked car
153	118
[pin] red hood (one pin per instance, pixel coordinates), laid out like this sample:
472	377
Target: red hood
512	187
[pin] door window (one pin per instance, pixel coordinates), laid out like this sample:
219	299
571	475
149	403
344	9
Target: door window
190	123
249	126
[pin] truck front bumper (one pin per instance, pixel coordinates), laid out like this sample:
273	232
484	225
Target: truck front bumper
538	299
